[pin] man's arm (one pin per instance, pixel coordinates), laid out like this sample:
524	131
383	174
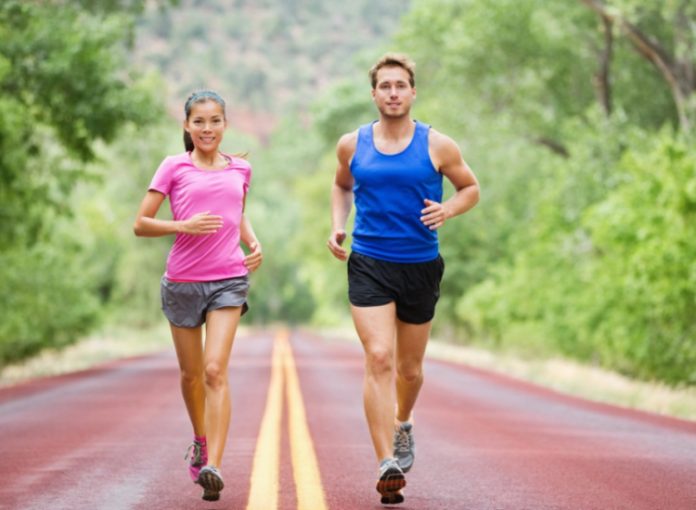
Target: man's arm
447	158
342	195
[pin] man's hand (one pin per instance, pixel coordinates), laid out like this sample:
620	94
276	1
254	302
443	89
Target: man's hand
334	244
434	214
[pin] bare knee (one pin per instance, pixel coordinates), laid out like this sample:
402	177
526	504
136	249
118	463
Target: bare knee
379	362
191	378
215	376
410	372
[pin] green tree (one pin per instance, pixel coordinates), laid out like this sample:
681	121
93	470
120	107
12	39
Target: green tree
64	89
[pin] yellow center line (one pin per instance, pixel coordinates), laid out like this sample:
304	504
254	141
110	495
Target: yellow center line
263	493
305	468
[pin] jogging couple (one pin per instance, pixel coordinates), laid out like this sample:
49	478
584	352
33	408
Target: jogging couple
392	169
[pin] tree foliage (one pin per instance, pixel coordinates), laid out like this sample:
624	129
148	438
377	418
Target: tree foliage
63	89
586	217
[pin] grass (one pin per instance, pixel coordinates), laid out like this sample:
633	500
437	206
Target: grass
567	376
110	343
563	375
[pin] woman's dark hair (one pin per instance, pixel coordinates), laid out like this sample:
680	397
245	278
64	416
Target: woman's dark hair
200	96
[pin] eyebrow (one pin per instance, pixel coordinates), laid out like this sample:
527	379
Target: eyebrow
391	81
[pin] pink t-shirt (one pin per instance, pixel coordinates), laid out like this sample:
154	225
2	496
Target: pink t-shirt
206	257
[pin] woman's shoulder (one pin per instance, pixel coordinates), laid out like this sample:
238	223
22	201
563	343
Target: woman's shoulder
174	160
183	157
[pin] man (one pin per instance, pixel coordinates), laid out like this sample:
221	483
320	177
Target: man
392	169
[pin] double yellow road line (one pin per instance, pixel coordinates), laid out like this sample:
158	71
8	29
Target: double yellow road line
263	494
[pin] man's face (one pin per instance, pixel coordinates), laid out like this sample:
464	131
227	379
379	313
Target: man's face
393	93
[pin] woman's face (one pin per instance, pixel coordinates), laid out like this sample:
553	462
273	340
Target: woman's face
206	124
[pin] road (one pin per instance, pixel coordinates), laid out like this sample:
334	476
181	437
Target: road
114	437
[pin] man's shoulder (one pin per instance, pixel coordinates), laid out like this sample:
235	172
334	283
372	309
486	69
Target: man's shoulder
347	142
439	141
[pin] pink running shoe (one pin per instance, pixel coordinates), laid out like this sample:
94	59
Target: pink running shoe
198	452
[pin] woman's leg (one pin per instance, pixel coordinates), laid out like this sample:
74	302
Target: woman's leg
189	352
221	326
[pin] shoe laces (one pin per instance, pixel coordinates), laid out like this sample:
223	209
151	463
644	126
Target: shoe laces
403	441
194	451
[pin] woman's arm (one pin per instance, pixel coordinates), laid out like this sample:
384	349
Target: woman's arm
246	232
146	225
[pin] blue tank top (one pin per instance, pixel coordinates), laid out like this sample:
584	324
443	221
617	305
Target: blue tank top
389	192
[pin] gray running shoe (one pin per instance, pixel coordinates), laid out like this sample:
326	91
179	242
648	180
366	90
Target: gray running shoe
210	495
404	446
210	479
391	481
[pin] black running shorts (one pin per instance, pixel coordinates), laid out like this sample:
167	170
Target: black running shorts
414	288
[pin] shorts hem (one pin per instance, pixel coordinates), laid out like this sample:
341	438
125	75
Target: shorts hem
364	304
415	322
243	305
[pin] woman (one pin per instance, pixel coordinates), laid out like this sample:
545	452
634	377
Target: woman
206	279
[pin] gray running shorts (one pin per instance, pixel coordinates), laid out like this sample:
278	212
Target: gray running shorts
186	304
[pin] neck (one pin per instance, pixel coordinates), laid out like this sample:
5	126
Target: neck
395	127
208	158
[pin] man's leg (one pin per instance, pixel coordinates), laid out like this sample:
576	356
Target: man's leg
376	327
411	341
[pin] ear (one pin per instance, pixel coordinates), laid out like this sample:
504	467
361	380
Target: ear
185	124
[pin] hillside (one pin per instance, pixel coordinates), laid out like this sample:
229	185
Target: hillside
266	57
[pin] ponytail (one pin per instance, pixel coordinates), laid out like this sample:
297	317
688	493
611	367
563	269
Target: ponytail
188	141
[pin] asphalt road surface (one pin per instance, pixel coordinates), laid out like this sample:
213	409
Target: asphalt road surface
114	437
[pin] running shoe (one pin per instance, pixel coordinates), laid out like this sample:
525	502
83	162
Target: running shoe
391	481
210	495
210	479
404	446
198	453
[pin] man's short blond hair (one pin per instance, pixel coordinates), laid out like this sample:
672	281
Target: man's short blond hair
394	60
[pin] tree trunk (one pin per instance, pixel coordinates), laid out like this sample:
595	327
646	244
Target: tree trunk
668	66
602	79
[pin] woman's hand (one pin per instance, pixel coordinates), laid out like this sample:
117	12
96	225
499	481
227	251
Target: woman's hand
201	224
254	259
